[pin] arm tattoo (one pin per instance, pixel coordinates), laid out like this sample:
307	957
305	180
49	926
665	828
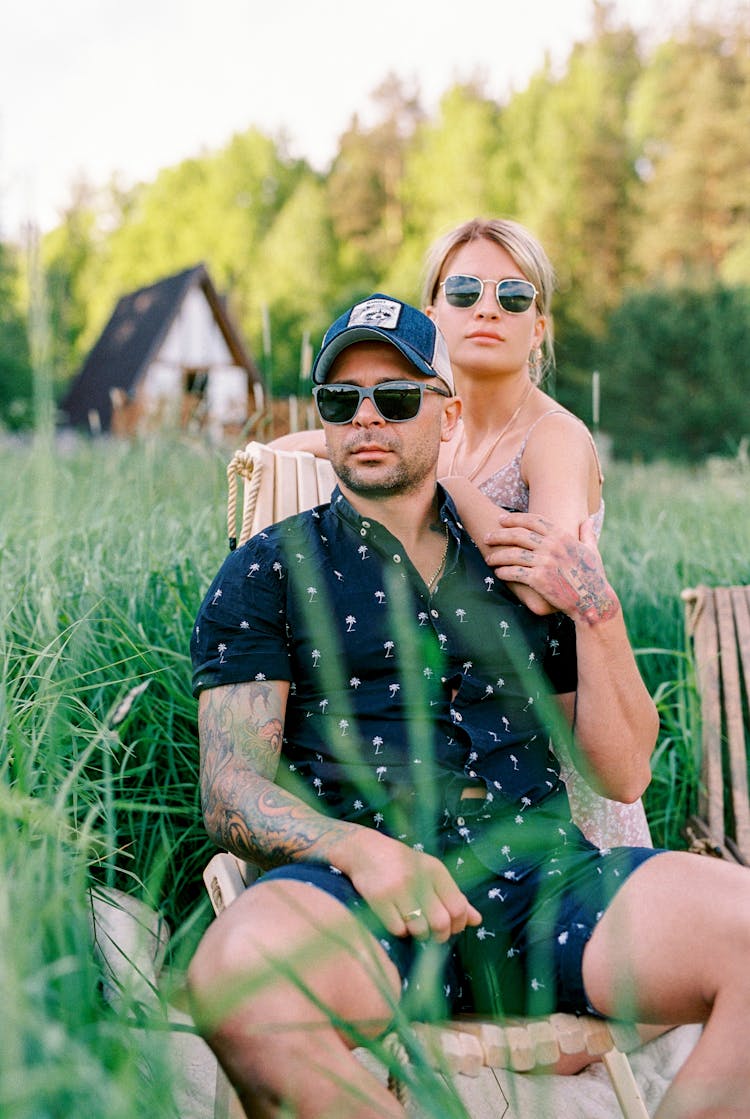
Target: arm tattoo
241	730
593	594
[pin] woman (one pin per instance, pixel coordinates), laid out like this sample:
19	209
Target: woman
488	287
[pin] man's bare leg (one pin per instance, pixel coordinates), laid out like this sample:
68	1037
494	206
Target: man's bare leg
279	955
674	946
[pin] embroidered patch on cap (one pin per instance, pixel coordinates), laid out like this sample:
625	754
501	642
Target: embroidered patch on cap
381	313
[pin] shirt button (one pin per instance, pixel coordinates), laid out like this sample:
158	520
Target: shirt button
363	532
397	558
366	524
434	614
460	821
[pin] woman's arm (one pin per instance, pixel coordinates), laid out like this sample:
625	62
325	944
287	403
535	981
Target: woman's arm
616	722
311	440
562	474
561	469
480	518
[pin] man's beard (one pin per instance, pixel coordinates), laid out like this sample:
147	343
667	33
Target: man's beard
398	480
401	477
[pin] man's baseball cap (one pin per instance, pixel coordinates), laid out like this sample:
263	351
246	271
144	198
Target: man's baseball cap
381	318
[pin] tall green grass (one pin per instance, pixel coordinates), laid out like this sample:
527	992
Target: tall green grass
668	529
105	552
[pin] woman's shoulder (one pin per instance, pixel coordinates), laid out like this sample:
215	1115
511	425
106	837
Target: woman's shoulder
555	425
546	408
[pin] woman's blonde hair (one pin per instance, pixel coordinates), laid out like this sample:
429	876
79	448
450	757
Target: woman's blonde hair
526	251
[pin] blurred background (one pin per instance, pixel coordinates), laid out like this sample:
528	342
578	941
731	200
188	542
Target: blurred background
308	155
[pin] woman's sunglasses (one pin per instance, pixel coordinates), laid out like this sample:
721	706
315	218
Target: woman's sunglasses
396	401
514	296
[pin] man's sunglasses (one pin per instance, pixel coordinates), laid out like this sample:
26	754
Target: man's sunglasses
396	401
515	296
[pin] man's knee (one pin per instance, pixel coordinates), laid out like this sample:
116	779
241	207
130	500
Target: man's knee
286	945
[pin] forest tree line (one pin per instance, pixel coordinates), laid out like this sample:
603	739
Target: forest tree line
631	164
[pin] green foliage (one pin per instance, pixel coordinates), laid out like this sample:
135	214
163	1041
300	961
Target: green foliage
690	111
69	254
363	187
576	190
15	359
442	184
672	373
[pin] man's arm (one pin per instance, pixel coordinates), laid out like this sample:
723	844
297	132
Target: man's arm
616	721
240	729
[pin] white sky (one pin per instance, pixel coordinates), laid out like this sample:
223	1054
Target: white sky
93	87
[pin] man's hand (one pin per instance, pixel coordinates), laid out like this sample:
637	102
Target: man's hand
412	893
568	572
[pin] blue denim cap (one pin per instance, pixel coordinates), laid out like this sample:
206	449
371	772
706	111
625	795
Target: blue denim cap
381	318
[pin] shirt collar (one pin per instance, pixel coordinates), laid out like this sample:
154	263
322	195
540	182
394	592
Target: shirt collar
366	527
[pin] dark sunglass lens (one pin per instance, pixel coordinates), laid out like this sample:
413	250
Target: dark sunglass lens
337	406
462	291
398	403
515	295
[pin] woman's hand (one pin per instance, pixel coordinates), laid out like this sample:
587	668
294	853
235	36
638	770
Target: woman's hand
564	570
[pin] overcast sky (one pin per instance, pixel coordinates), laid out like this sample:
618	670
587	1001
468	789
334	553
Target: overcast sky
93	87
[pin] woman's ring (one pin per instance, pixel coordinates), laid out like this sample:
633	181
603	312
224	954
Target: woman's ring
412	915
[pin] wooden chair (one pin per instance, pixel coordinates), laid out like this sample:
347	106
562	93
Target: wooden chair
278	484
718	627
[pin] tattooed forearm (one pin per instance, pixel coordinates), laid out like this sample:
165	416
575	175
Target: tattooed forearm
241	728
272	827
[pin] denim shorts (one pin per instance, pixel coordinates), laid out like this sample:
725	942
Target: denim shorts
526	956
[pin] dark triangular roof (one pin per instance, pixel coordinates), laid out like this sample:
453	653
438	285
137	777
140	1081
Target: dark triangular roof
131	340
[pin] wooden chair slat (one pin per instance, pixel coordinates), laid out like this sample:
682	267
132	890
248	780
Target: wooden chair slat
702	622
259	509
308	494
718	622
732	709
326	479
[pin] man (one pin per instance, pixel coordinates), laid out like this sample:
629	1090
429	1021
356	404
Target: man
376	710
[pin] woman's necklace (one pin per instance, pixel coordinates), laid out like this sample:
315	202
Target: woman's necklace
485	457
431	582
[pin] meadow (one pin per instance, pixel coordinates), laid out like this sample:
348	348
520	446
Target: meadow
105	551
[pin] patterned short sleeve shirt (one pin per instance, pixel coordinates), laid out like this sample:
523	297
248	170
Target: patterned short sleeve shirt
400	697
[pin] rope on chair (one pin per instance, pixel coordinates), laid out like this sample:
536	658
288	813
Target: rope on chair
244	464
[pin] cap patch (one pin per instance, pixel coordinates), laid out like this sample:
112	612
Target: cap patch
381	313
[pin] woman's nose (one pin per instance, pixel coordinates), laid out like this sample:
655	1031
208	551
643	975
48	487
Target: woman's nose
487	306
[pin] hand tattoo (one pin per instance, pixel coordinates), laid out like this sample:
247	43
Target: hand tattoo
594	598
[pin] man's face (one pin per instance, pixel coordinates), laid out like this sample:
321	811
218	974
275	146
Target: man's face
370	455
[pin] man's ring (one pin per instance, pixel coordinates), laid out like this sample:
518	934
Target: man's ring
412	915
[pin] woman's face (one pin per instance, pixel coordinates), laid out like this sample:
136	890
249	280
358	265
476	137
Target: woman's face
484	338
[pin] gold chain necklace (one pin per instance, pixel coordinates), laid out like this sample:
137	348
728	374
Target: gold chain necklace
473	473
431	582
